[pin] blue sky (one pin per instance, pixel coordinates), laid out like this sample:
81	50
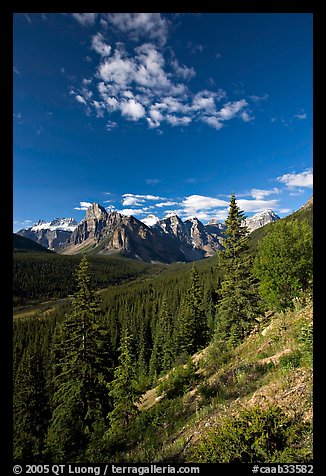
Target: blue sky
161	113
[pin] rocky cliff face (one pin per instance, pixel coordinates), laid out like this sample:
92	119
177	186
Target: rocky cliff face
105	233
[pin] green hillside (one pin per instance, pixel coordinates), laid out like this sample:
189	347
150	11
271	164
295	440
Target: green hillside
268	379
22	244
304	213
41	276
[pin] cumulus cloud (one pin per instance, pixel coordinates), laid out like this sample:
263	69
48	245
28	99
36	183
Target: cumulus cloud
85	19
132	110
99	45
138	25
83	206
142	85
302	179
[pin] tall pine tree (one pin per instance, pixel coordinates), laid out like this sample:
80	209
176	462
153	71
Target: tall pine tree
83	368
239	296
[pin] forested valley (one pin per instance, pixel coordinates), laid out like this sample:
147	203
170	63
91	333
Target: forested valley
134	372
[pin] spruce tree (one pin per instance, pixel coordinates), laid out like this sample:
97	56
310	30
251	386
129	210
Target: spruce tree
123	388
191	328
82	369
239	297
163	350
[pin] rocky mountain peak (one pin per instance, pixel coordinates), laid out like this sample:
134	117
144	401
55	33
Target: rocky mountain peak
260	219
95	211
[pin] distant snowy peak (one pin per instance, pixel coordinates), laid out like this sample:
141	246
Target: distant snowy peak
261	219
150	220
64	224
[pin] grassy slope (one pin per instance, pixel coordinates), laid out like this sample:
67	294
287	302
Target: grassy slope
264	370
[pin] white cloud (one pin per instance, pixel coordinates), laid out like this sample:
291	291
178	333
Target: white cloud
127	201
166	204
301	116
255	98
132	199
140	86
137	25
177	121
132	109
16	70
111	125
99	45
302	179
257	205
260	194
231	109
183	71
85	18
131	211
80	99
212	121
195	203
83	206
245	116
205	101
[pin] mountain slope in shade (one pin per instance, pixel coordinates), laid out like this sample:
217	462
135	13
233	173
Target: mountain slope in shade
22	244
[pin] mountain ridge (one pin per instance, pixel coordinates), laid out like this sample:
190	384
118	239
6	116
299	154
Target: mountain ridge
151	239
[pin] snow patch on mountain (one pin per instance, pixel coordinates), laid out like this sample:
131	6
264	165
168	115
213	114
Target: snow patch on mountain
64	224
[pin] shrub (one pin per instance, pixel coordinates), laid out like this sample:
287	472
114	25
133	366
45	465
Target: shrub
284	263
290	361
180	381
256	436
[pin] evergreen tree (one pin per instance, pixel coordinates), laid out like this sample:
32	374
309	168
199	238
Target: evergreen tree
239	297
163	350
83	367
284	263
191	329
31	410
123	388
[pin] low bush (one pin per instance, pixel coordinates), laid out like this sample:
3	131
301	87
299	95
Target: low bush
256	436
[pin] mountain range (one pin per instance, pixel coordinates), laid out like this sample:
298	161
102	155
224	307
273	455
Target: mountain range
152	239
